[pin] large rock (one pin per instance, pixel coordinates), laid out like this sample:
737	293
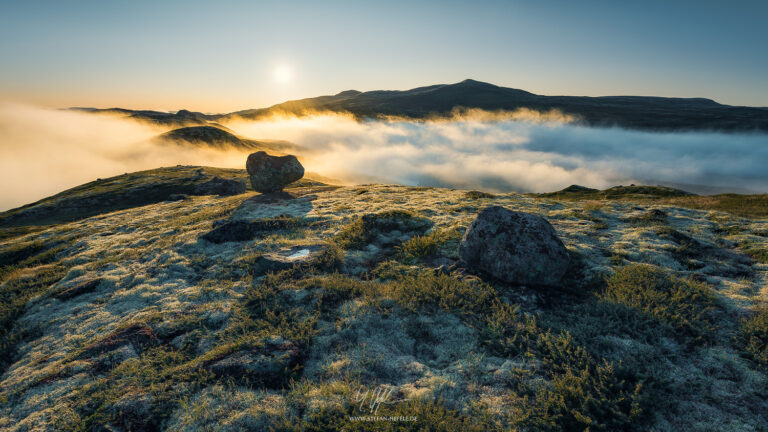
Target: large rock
514	247
272	173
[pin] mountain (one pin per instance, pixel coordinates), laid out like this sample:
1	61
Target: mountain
179	118
632	112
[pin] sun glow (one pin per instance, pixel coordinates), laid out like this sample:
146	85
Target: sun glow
283	74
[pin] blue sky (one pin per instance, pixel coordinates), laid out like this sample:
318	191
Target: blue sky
223	56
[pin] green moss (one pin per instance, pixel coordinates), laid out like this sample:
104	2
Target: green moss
479	195
591	397
583	392
436	242
15	291
365	229
759	254
268	310
427	416
331	258
155	375
16	254
689	251
750	206
685	305
752	337
11	232
651	217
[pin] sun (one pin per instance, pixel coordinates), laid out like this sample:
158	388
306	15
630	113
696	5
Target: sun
283	74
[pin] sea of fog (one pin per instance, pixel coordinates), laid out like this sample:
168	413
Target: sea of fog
45	151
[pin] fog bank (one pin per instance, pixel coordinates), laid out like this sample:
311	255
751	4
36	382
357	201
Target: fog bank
525	153
43	152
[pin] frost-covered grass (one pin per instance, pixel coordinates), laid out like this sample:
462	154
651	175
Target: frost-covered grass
654	327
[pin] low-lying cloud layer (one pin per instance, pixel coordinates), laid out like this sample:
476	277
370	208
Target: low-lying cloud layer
43	152
522	152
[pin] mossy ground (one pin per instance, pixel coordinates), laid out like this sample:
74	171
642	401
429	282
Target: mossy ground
658	324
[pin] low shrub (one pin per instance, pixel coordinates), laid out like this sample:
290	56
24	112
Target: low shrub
685	305
592	397
15	292
757	253
422	246
752	337
426	416
479	195
365	229
138	394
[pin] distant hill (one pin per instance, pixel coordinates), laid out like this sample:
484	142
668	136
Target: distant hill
203	135
745	205
217	137
616	192
181	117
633	112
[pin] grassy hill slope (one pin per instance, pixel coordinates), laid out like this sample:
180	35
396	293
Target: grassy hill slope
133	320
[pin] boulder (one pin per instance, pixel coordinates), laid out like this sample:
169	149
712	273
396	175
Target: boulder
272	173
220	186
514	247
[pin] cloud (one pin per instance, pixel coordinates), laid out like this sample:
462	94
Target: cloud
43	152
520	151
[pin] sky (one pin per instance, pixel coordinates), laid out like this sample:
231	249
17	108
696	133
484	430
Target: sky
229	55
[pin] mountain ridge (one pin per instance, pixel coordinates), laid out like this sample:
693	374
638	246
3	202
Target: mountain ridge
651	113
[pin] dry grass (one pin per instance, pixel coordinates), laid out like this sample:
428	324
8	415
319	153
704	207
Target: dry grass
464	353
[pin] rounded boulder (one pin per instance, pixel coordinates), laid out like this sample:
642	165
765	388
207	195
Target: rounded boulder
272	173
514	247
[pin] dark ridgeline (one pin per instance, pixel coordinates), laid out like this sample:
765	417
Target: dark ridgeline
632	112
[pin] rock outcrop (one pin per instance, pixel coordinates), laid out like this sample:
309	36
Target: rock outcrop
272	173
515	247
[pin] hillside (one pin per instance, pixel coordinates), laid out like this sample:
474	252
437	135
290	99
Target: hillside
632	112
121	192
219	137
147	317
